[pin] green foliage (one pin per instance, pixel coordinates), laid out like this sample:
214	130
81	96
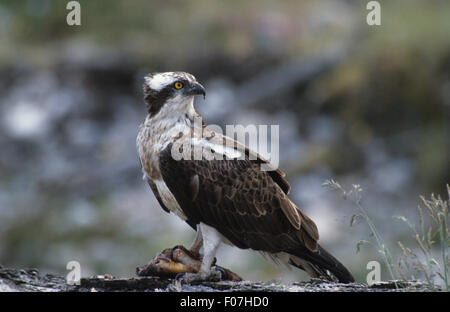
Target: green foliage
355	195
427	237
421	258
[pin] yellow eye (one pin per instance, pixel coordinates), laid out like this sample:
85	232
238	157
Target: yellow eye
178	85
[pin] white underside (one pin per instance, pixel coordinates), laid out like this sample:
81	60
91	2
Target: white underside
168	199
211	242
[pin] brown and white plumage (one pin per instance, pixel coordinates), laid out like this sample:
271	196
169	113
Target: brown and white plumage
230	200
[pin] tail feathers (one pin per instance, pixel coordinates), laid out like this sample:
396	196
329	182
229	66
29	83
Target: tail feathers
319	264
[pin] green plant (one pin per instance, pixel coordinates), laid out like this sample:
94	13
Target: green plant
427	237
355	195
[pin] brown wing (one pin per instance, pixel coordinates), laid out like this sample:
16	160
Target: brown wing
276	173
248	206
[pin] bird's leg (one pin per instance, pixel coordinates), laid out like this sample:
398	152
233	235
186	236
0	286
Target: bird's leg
211	241
210	245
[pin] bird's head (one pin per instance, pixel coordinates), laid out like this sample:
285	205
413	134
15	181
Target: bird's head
173	91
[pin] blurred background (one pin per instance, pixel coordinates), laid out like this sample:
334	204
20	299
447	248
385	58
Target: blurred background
367	105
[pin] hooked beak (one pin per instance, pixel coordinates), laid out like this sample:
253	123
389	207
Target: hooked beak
197	89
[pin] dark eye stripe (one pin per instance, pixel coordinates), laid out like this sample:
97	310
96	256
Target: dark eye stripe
155	100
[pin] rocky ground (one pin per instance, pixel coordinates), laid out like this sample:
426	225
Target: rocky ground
29	280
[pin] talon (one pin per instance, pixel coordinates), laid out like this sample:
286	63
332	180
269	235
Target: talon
191	254
180	276
228	275
214	275
222	271
169	263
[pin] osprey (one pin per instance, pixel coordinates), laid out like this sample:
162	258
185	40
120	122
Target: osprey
227	199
